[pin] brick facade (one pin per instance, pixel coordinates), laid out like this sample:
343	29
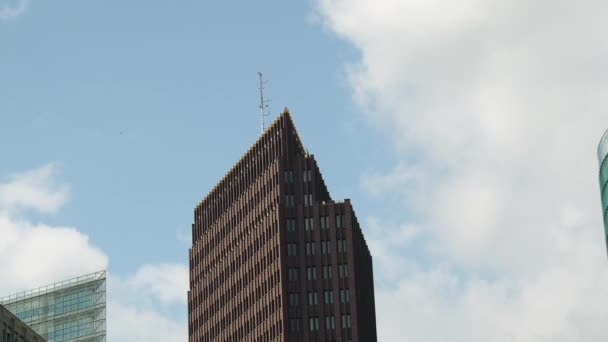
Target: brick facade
266	240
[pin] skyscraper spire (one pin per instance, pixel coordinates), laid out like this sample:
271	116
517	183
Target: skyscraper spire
263	101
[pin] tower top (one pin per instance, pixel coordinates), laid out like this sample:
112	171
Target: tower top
263	101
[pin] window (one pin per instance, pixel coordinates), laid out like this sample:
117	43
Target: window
308	224
343	271
325	247
324	222
328	297
344	296
289	201
345	321
310	248
341	246
312	298
327	272
293	299
288	176
330	323
339	221
313	324
294	325
292	274
307	175
292	249
311	273
290	225
307	200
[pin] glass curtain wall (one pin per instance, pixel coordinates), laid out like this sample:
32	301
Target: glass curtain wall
72	311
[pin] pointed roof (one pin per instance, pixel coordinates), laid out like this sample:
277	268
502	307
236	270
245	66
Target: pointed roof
282	125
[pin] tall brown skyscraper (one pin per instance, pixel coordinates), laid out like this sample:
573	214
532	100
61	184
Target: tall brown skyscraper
274	258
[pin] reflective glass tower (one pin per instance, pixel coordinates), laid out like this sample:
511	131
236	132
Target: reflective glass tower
69	311
602	152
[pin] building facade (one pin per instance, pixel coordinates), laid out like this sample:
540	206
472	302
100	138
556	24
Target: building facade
274	258
69	311
14	330
602	153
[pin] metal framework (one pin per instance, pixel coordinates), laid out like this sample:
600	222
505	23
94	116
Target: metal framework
263	101
73	310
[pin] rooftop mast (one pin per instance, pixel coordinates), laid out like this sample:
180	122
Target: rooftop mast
263	101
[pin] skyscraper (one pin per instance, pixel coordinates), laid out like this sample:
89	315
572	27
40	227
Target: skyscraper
73	310
602	153
274	258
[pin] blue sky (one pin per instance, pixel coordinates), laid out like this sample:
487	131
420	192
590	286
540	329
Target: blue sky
145	105
141	107
464	133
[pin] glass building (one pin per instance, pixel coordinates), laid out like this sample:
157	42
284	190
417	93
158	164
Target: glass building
602	152
12	329
73	310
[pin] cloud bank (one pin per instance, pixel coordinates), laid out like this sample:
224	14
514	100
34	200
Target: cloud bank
35	254
502	104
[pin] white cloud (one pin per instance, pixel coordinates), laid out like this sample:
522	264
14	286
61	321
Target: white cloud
503	104
138	304
132	324
36	254
33	255
34	189
386	241
399	177
164	283
11	9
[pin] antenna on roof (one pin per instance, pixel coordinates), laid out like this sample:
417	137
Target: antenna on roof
263	101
